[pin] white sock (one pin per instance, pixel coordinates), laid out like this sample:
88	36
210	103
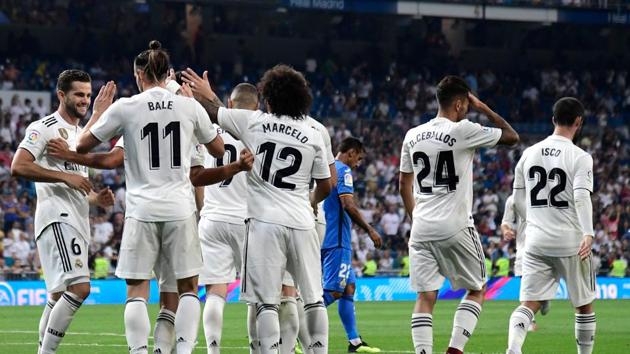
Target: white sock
519	324
464	324
303	331
213	321
585	332
254	344
58	321
137	325
268	328
164	332
317	324
187	322
289	324
422	332
43	321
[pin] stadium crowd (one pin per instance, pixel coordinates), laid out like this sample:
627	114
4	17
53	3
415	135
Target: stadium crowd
378	108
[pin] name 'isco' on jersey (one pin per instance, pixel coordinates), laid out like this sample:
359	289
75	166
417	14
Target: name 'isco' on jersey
160	132
289	153
440	154
550	171
56	202
226	201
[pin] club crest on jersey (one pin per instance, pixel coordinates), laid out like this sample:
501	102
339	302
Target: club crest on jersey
347	179
78	263
33	136
64	133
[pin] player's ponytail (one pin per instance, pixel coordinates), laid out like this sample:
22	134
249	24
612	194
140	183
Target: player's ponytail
154	62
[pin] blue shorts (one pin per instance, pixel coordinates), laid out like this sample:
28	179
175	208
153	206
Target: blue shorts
337	269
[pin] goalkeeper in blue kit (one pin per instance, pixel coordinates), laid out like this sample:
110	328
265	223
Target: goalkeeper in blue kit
341	210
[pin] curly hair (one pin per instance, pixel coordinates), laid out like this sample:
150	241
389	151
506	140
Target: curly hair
286	91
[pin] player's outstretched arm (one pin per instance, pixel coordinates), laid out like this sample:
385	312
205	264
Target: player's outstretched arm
200	176
203	93
509	136
405	185
216	148
58	148
87	141
348	204
24	165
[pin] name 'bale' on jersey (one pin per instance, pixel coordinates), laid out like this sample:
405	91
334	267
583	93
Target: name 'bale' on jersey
440	154
550	171
289	153
226	201
160	132
56	202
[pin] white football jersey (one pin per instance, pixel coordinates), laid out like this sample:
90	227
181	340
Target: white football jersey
510	217
549	171
289	153
56	202
440	154
160	132
226	201
330	157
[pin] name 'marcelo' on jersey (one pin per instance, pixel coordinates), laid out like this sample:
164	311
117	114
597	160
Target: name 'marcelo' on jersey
160	132
330	158
550	171
440	155
56	202
226	201
288	154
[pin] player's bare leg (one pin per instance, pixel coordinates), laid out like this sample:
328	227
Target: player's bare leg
62	314
164	331
465	320
43	321
585	328
213	316
137	324
422	322
187	315
289	319
520	320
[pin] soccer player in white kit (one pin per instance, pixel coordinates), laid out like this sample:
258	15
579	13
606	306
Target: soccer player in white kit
160	131
436	187
64	192
281	229
553	182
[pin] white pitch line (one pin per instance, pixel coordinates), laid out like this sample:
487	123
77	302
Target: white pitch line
70	333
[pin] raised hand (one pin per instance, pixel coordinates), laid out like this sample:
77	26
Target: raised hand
186	91
199	86
104	98
476	103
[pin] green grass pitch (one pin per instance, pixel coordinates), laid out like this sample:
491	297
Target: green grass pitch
99	329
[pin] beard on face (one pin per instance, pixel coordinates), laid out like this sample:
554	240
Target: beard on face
71	108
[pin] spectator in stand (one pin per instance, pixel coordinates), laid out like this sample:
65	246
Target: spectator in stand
390	222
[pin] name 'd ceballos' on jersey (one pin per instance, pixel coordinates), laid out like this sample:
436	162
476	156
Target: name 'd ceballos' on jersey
160	132
289	153
330	158
226	201
440	154
550	171
56	202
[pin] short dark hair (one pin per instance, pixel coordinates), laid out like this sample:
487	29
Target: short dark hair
450	88
244	94
67	77
286	91
154	62
566	110
351	143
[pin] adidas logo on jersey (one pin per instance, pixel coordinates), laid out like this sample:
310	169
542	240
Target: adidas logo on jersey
317	344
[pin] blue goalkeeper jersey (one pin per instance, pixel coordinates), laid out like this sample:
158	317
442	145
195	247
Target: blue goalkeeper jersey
338	223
